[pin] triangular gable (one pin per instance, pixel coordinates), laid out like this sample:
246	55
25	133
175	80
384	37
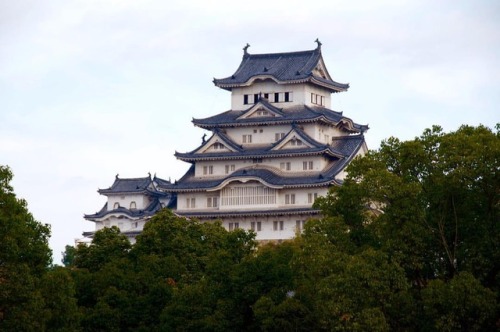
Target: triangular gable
260	110
321	71
216	144
346	124
293	140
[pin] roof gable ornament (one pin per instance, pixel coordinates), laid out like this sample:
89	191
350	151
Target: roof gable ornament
215	144
245	52
319	43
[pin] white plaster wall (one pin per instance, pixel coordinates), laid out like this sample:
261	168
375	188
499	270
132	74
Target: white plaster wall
201	201
318	131
267	226
296	165
141	201
301	196
122	222
301	94
260	134
301	200
268	86
308	89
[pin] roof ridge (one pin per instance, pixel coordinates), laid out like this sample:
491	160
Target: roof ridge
280	53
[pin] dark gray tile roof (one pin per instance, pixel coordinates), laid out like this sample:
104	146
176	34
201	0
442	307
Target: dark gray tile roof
149	211
289	67
128	233
348	146
341	147
131	186
295	114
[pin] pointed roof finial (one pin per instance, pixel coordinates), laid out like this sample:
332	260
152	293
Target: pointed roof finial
116	175
149	173
246	48
319	43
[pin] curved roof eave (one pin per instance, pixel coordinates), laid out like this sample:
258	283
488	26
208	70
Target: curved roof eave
232	156
228	214
244	179
332	87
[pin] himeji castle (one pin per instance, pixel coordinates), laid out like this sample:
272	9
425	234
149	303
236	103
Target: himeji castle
277	149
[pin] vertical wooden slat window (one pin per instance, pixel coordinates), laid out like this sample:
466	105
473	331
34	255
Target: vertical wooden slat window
249	195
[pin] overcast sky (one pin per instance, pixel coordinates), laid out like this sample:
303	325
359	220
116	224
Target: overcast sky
91	89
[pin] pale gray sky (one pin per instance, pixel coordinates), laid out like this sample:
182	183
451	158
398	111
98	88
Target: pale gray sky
89	89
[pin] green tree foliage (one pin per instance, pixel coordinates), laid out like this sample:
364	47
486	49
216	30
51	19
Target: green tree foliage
33	296
24	258
431	205
462	304
61	309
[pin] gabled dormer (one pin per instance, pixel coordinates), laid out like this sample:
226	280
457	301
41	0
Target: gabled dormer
262	109
295	139
216	144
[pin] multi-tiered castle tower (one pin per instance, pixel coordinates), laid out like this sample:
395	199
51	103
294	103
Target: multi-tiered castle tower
277	149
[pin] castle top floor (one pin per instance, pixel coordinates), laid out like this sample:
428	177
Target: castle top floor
283	79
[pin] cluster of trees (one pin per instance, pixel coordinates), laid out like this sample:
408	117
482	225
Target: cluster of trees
408	243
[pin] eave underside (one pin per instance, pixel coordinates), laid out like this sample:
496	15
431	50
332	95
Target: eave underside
205	215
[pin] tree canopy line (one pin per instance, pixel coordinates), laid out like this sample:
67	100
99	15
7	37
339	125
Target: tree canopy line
409	242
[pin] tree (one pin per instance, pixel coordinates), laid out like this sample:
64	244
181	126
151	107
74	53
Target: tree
432	206
61	309
462	304
434	200
107	246
344	287
24	258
